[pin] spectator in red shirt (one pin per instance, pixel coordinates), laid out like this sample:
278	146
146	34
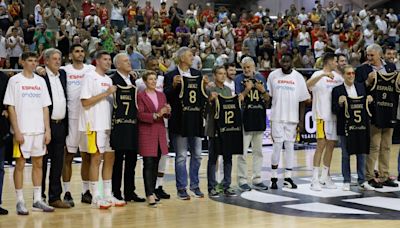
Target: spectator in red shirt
103	13
86	6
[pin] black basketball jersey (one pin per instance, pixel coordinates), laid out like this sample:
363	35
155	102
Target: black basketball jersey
254	111
124	132
385	92
229	124
357	125
193	99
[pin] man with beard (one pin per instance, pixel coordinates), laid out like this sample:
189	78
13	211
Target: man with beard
288	89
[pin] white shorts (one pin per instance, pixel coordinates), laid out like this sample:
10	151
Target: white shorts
75	138
326	130
33	146
282	132
101	141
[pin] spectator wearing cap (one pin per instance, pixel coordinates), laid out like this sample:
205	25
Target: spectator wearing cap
92	17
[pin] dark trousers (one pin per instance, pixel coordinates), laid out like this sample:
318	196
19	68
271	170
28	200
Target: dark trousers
55	152
129	172
150	171
13	62
213	148
2	153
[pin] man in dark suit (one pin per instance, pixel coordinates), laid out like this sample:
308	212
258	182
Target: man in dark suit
181	143
56	81
122	77
381	138
339	95
4	130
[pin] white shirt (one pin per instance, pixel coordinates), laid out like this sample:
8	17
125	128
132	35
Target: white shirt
3	49
286	90
145	47
141	86
302	17
196	62
57	94
322	96
29	96
231	85
382	25
74	83
96	20
16	51
38	16
304	39
319	45
351	90
98	116
126	78
368	40
116	13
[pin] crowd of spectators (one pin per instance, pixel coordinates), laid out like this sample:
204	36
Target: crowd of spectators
215	35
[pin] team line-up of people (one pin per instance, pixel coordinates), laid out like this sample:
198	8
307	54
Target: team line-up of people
78	107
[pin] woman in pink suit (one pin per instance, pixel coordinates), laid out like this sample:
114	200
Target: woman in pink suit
152	108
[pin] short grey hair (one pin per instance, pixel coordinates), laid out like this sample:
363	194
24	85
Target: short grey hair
50	52
375	47
247	60
116	58
181	51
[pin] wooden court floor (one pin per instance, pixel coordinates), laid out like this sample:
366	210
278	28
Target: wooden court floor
177	213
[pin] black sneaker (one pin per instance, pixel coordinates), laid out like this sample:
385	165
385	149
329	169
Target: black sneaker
68	199
160	193
288	183
230	192
197	193
390	183
375	184
260	186
183	195
86	197
245	187
274	184
213	193
3	211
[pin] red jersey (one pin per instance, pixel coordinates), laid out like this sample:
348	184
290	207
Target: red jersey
131	13
103	15
86	6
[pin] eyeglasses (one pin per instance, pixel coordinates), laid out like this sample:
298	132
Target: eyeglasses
350	73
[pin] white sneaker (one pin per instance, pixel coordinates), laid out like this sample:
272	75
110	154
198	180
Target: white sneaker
327	183
114	201
365	186
346	187
99	203
315	185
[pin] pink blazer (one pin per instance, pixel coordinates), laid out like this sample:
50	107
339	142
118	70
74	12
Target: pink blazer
152	133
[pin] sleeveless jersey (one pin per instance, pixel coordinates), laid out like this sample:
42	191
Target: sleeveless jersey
254	111
193	100
229	124
385	92
357	125
124	132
